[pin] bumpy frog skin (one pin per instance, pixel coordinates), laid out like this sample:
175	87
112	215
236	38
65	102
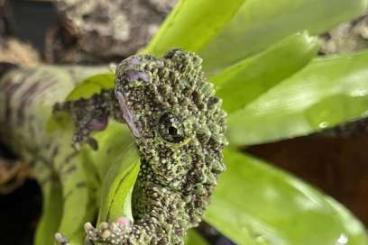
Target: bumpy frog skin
179	126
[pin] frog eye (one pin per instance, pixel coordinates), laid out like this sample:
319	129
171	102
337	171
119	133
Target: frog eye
171	128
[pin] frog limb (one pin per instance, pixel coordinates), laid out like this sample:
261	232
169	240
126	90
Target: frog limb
89	115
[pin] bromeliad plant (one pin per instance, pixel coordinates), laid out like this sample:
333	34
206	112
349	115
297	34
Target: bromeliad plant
261	57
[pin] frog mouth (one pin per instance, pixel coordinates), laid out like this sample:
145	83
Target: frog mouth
127	114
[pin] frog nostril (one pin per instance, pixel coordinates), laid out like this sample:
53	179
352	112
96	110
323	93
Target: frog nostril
134	75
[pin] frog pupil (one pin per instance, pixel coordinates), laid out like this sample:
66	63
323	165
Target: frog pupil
173	131
171	128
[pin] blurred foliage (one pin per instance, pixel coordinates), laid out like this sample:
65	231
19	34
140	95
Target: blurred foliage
257	204
259	24
244	81
327	92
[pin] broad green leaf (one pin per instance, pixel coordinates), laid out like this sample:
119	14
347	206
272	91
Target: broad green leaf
243	82
113	143
51	215
260	23
77	196
325	93
92	85
255	199
117	164
192	24
77	205
193	238
120	191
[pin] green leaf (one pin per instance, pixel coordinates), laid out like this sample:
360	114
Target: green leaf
325	93
192	24
113	142
118	201
243	82
259	24
78	206
272	207
52	212
193	238
92	85
117	163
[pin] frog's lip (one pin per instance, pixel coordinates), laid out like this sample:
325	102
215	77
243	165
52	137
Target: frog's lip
127	114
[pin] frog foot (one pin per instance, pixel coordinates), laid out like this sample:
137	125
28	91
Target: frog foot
108	233
87	118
